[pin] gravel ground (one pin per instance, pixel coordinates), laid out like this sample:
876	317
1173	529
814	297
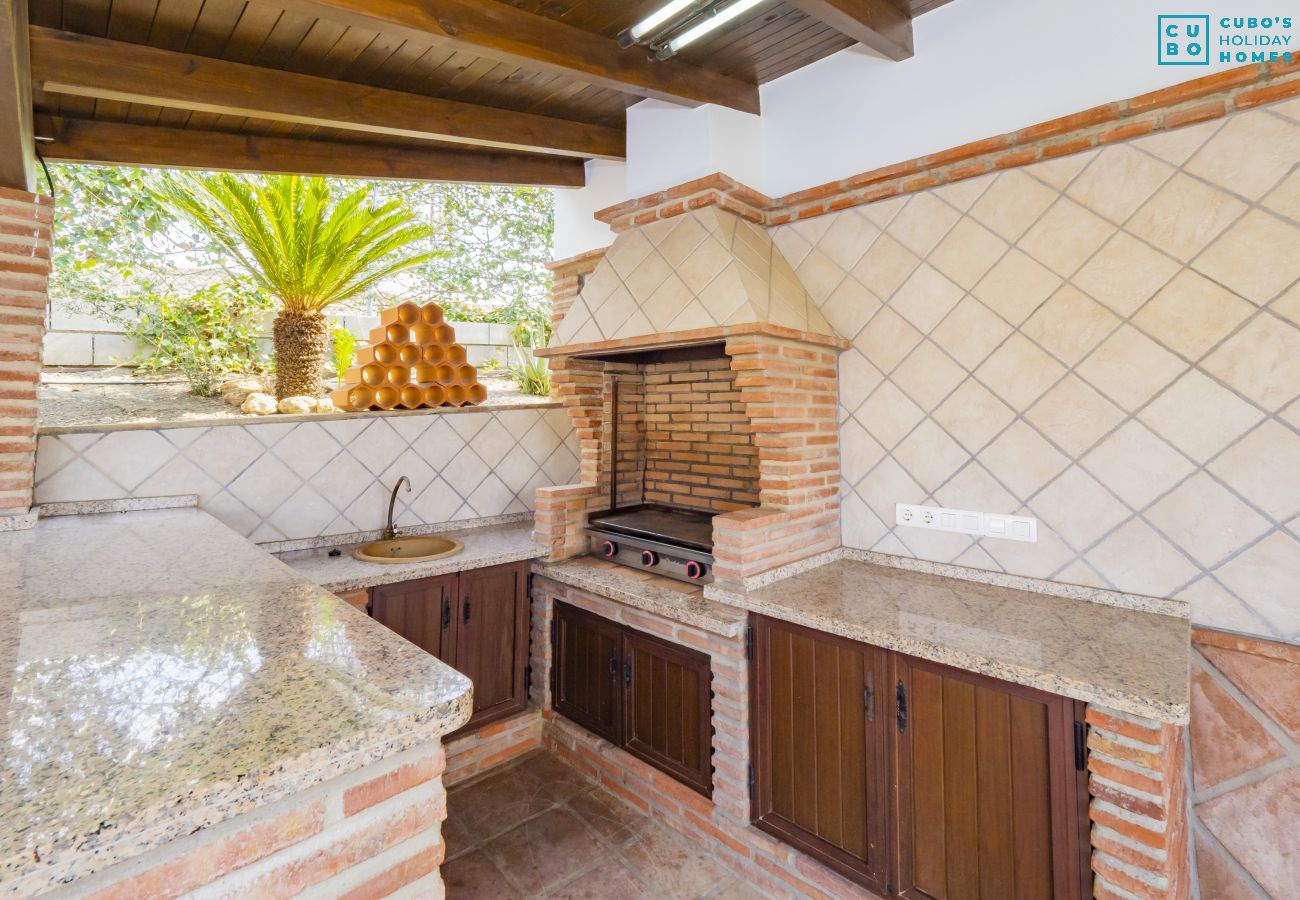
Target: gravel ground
115	397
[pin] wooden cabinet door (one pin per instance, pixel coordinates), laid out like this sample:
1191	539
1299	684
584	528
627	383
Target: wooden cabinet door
420	611
491	618
821	710
587	656
989	801
667	712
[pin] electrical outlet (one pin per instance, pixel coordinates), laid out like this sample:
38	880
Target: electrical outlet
967	521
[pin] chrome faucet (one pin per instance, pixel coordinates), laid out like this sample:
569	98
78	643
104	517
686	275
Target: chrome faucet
389	531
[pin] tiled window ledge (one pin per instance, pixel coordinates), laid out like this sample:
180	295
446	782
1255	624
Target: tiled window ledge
278	419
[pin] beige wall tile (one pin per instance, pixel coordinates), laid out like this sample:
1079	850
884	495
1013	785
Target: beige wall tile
1124	273
1262	361
1249	155
848	238
1200	417
849	307
1258	466
1257	257
1022	460
1184	216
923	222
889	415
1012	203
1074	416
1135	558
967	252
1191	314
1206	520
1019	372
1119	180
970	332
1066	236
928	375
925	298
887	339
885	266
1267	575
1070	324
1016	286
930	455
1129	368
973	415
1136	464
1079	508
886	486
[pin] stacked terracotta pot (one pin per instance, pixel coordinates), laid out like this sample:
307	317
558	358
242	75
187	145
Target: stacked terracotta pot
413	362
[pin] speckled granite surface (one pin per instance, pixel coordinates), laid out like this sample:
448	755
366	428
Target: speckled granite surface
492	545
161	674
663	596
1133	661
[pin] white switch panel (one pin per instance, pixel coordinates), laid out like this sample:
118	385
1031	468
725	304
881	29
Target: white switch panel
966	521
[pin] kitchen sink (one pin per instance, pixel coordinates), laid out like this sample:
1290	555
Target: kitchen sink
407	549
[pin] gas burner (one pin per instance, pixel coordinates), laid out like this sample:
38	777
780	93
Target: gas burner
665	540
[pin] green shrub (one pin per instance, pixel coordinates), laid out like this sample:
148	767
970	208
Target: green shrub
205	335
344	349
533	372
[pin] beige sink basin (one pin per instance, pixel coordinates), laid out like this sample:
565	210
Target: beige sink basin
407	549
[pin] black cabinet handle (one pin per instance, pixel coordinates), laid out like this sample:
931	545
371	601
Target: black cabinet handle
627	671
613	665
869	696
446	612
902	708
465	610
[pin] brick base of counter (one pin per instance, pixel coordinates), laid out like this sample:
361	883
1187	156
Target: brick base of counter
367	834
478	751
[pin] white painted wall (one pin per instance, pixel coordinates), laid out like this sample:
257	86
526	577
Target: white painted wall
982	67
575	229
669	144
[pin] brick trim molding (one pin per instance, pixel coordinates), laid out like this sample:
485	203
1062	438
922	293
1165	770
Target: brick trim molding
567	278
26	234
1188	103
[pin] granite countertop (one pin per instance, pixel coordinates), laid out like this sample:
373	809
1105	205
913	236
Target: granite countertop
671	599
1129	660
489	545
162	674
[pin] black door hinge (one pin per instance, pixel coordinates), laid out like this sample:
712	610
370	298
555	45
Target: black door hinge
900	707
555	654
1080	746
465	609
627	670
528	682
869	696
750	781
446	612
749	642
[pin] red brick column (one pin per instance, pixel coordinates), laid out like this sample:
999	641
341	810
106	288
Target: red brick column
560	514
788	389
25	237
1137	780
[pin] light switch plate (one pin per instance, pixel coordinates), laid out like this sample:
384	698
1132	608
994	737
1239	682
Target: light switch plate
967	521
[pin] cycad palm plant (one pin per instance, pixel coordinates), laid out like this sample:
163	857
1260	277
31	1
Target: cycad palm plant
303	247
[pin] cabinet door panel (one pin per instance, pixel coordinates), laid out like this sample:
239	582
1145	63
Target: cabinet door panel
820	746
492	639
417	611
988	803
588	664
668	716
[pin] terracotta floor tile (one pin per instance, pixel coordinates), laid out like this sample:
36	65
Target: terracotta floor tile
474	876
1274	684
558	781
671	862
499	802
456	837
1258	826
1217	877
610	880
612	820
546	850
1226	739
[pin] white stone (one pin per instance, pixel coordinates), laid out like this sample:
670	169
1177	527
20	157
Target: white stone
258	404
325	405
297	406
236	391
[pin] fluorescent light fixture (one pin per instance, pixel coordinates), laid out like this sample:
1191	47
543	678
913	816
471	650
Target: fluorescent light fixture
715	21
657	18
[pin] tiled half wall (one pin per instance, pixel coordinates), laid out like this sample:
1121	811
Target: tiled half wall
1108	341
286	481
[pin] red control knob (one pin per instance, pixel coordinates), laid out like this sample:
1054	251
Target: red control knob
649	559
695	570
609	549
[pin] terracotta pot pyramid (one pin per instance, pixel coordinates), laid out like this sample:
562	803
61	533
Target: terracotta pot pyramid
413	362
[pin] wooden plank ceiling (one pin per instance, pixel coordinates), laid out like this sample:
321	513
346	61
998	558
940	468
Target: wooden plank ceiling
478	90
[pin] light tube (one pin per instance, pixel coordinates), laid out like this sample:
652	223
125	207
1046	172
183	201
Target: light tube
657	18
717	20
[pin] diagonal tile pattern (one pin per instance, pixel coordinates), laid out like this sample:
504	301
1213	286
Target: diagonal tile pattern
288	481
1109	341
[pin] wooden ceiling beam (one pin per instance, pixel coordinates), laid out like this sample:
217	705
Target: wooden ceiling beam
500	31
17	151
67	63
879	24
111	143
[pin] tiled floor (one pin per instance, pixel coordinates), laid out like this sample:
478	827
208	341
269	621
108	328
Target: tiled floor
538	829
